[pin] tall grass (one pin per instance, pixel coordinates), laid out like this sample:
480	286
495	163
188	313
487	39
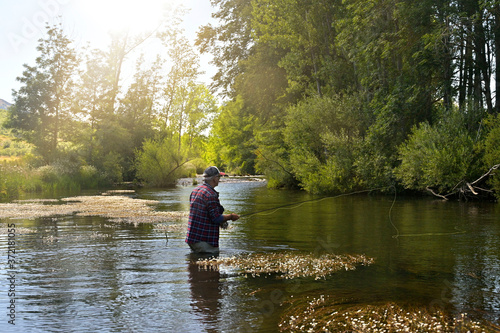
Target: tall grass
17	178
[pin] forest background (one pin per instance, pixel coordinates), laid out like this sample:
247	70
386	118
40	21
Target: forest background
329	96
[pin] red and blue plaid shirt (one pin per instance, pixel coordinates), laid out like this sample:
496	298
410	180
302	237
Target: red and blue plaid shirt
204	216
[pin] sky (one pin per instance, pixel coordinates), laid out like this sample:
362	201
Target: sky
85	22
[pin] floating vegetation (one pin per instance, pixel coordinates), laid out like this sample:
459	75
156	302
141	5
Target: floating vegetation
112	192
288	265
321	314
176	227
117	208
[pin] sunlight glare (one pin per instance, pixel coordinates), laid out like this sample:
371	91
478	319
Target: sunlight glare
125	15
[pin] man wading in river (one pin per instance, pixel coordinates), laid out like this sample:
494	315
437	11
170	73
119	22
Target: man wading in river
205	214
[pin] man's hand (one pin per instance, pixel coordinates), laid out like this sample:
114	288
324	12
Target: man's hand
232	217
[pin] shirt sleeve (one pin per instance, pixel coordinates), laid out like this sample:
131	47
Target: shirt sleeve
215	210
220	219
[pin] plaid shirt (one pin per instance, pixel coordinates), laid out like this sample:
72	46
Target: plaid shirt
204	210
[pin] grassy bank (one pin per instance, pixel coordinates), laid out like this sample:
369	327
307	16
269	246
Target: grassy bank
17	178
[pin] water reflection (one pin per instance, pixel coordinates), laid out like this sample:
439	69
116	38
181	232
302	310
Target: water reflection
206	291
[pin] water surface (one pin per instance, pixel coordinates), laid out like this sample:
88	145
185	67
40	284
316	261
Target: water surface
81	274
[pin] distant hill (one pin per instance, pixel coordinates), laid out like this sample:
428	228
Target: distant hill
4	104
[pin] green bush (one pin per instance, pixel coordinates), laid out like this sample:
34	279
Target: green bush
323	136
159	163
112	167
492	151
437	156
60	177
89	177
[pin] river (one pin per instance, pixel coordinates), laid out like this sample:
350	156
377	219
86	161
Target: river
86	274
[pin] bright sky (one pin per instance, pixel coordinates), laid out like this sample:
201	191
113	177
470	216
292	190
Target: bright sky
23	24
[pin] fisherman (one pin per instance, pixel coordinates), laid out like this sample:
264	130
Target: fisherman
206	214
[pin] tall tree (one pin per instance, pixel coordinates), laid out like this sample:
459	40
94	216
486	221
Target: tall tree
305	30
95	100
43	103
181	80
229	43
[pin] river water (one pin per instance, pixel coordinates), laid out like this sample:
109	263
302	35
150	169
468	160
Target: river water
85	274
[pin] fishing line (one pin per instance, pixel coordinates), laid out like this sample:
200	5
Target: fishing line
390	214
397	235
294	205
457	232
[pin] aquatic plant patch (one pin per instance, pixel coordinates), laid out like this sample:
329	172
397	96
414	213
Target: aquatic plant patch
323	314
288	265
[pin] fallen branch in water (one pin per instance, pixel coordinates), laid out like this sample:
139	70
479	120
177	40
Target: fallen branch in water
465	189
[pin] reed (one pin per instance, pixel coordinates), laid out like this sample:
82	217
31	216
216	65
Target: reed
17	178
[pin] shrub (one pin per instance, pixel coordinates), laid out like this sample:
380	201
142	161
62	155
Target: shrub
89	177
437	156
112	167
159	163
492	151
323	136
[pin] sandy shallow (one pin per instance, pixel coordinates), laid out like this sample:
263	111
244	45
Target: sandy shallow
113	205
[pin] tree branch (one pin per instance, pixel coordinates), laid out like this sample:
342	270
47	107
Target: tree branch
436	194
467	187
493	168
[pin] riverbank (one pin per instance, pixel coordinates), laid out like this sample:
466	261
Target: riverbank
225	179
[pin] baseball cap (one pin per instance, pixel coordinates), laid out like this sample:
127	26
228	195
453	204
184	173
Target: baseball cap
212	172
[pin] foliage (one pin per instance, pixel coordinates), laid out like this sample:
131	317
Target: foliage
323	136
42	104
17	178
229	43
492	151
230	146
159	162
398	63
79	115
328	95
273	157
305	30
436	156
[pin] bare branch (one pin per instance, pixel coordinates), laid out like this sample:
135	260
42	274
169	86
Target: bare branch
436	194
493	168
471	189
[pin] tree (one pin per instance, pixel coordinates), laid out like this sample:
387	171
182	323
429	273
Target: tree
43	103
181	81
305	30
437	157
229	43
138	110
230	144
323	137
94	102
200	115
